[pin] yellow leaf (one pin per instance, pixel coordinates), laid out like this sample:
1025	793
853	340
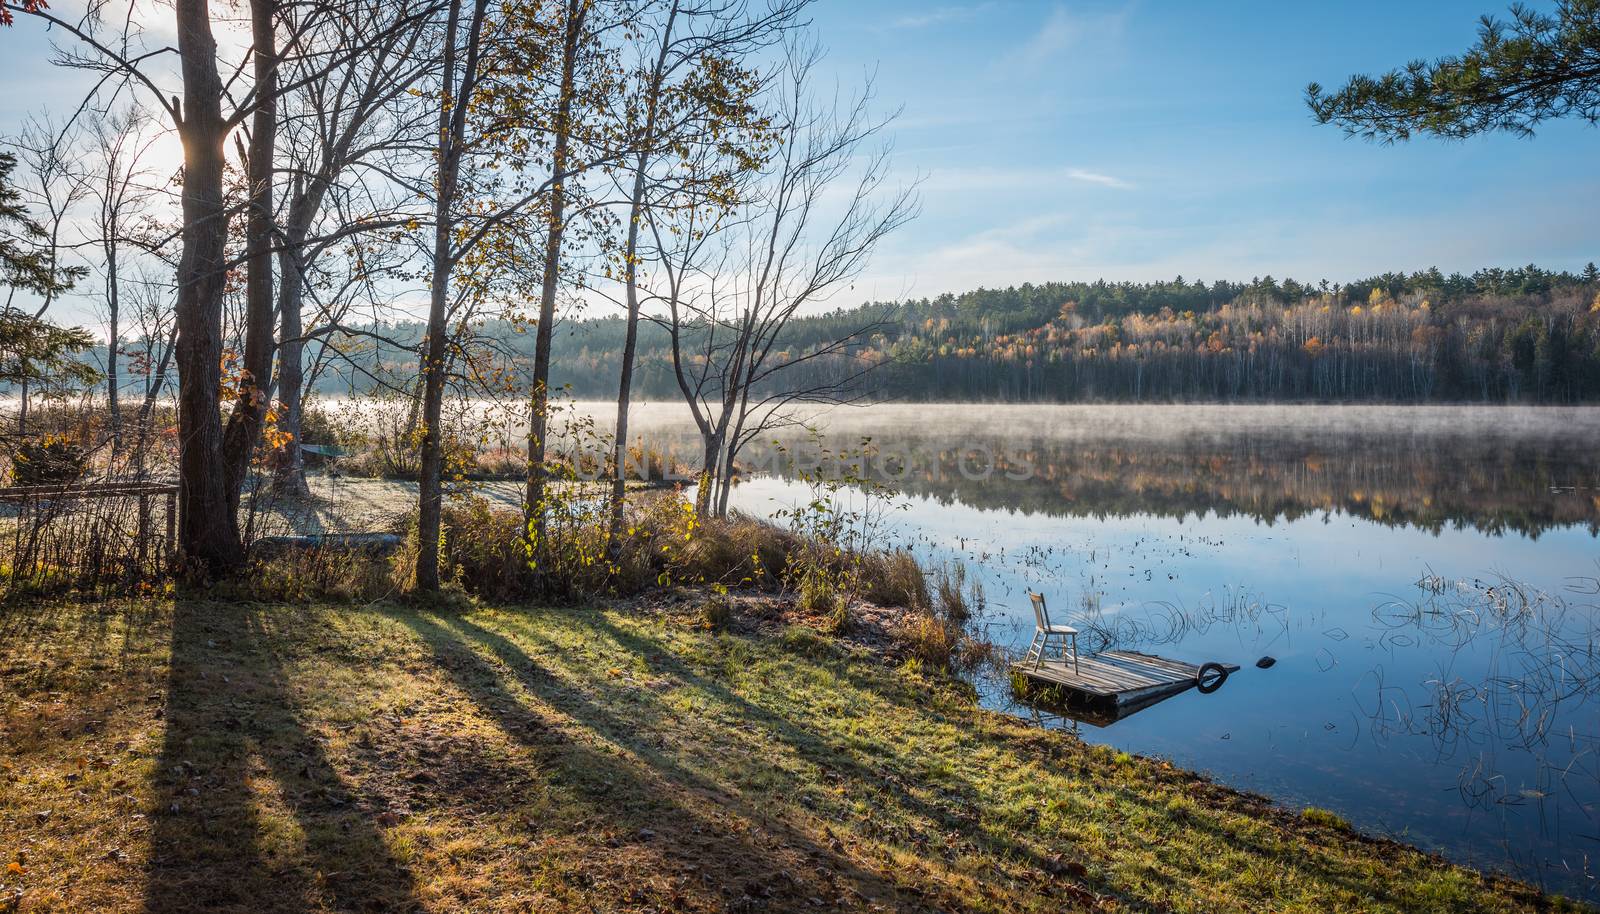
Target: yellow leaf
16	868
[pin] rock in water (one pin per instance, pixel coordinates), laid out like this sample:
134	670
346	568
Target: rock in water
1265	663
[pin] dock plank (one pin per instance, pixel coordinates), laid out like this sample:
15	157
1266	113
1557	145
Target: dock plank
1118	676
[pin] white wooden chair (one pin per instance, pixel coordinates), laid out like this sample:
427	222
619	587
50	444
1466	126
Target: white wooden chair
1044	631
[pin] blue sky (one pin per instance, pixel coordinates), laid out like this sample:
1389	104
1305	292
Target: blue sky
1142	139
1149	138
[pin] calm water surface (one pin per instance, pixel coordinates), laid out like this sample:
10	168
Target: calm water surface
1425	578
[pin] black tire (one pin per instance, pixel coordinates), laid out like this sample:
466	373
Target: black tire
1204	681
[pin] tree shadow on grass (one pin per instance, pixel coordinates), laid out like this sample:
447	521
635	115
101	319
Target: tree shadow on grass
29	622
891	777
250	813
885	775
745	853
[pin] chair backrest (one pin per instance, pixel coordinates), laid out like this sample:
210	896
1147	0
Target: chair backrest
1041	616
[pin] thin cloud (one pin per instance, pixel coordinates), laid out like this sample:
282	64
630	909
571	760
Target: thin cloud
1091	177
1065	29
955	180
941	16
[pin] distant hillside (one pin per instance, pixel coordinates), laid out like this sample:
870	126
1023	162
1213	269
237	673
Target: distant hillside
1522	335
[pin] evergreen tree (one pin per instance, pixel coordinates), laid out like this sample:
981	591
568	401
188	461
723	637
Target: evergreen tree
25	261
1532	69
30	348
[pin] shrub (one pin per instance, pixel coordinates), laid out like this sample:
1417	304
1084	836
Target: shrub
318	426
483	549
646	464
820	597
50	461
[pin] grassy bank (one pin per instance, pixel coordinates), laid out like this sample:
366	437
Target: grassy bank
231	757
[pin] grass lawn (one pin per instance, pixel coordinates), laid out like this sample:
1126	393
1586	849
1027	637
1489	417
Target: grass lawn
221	756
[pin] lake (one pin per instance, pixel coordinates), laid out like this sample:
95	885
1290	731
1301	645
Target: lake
1424	578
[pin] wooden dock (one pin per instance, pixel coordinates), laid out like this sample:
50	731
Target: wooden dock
1114	678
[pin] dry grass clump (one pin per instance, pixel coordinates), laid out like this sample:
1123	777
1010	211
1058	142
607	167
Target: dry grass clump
333	574
485	551
717	610
931	639
737	551
894	579
507	462
952	590
937	632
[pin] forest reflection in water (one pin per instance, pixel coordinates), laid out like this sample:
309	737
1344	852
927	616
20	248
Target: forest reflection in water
1425	580
1393	476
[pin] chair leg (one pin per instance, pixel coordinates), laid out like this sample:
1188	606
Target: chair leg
1038	659
1074	653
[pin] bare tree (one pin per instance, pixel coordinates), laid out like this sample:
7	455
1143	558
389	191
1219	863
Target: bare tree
693	106
575	42
351	144
122	187
788	248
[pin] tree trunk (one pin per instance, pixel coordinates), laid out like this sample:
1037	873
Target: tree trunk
304	202
113	306
208	531
255	383
156	379
291	476
708	474
630	341
539	404
452	128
